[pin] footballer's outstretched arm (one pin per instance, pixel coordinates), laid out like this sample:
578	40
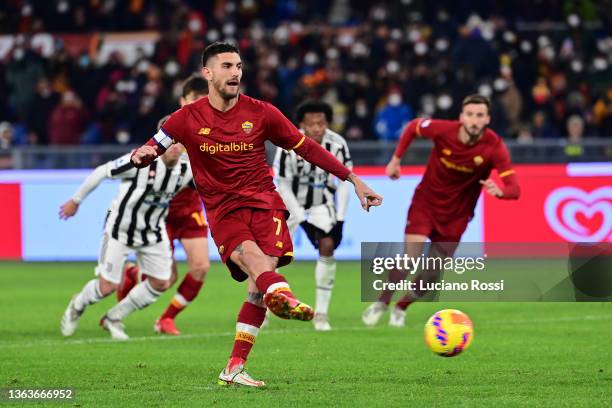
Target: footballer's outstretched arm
410	132
70	207
119	168
284	134
314	153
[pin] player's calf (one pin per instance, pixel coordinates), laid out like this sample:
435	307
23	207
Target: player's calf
186	293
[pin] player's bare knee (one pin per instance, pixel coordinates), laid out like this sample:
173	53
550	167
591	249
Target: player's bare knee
199	272
326	247
107	287
159	284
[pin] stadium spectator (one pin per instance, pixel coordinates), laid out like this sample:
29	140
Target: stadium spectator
390	120
6	136
68	120
354	50
602	110
575	129
44	102
540	129
23	70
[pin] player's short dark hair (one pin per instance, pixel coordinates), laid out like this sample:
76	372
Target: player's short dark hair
218	48
477	99
313	106
195	84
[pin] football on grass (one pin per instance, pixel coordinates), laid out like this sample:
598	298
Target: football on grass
448	332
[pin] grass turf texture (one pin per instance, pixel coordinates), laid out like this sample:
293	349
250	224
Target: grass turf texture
544	354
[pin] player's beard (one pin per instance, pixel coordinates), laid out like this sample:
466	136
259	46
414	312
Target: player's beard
474	135
221	86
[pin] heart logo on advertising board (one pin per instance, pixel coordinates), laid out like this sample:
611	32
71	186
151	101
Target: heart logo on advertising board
578	216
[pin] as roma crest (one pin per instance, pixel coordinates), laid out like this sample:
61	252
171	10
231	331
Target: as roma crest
247	126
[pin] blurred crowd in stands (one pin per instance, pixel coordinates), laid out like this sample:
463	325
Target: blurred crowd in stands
547	65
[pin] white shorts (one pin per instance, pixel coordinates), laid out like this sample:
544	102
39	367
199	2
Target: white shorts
153	260
321	216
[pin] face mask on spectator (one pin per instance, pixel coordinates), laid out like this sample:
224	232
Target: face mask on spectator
395	99
18	54
195	25
172	68
143	66
361	109
485	90
311	58
444	102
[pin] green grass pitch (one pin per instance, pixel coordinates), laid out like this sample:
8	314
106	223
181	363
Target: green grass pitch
523	354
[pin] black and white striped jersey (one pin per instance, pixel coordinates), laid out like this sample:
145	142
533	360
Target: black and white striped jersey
137	215
312	185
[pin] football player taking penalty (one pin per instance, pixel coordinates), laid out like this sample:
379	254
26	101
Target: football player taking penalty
224	135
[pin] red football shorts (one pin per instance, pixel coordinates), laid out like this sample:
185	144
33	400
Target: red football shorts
186	225
421	221
267	228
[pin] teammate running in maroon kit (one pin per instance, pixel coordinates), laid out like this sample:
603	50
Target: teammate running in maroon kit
186	223
464	154
224	135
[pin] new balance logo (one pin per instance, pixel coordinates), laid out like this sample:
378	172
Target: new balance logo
204	131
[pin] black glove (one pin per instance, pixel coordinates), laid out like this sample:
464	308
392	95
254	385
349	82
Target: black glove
312	233
336	233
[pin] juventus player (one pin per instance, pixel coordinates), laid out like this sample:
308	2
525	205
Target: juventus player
309	193
135	223
186	223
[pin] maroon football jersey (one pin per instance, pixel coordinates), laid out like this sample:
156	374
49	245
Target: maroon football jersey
451	184
227	153
187	201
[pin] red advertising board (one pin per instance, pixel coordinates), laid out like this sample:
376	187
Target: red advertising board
10	221
557	204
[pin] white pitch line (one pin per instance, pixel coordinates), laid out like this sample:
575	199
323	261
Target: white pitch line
107	340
